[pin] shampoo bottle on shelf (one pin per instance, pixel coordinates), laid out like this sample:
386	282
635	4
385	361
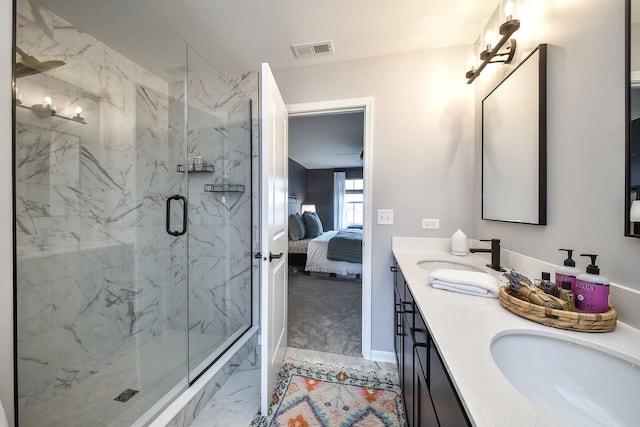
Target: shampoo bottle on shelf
568	271
591	291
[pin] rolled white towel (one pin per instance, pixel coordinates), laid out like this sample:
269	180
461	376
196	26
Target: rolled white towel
465	282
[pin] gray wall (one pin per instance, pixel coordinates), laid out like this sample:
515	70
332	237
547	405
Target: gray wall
320	193
6	213
427	149
585	139
297	180
422	142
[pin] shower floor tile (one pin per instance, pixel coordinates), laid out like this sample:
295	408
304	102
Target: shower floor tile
154	371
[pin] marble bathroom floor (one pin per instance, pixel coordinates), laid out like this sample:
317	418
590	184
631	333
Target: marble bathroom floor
238	400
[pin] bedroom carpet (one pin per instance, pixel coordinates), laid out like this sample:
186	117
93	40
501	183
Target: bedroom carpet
325	314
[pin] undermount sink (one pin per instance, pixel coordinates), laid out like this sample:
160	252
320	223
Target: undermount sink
574	383
433	264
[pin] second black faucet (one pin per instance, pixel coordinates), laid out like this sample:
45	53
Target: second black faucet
495	253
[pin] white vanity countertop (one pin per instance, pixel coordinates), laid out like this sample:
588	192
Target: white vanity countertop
463	327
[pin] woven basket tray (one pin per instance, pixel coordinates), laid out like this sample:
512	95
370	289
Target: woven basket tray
571	320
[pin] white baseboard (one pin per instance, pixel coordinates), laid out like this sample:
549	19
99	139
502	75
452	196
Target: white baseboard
383	356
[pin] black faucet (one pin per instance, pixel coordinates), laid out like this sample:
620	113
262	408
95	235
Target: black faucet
495	253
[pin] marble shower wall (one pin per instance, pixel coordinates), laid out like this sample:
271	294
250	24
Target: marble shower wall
90	200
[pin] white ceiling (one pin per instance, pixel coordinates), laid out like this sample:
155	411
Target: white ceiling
237	35
327	141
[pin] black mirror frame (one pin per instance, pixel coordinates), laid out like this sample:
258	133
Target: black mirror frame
541	51
627	131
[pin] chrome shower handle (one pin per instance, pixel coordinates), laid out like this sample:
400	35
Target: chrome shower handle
184	215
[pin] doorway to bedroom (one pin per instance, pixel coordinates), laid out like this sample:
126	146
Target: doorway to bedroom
328	288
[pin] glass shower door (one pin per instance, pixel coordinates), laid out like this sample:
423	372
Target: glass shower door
219	241
101	285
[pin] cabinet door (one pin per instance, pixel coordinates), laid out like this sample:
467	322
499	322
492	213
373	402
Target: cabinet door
444	397
424	414
408	357
420	337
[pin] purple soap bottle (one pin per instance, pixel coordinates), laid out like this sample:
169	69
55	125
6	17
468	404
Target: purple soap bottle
591	289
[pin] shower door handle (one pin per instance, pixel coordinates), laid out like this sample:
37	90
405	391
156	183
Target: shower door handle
184	215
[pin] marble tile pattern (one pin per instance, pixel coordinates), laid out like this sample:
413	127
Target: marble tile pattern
224	394
98	276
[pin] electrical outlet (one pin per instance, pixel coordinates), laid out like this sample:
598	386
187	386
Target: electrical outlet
385	216
431	224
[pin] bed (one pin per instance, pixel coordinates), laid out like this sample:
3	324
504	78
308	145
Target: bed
332	252
319	255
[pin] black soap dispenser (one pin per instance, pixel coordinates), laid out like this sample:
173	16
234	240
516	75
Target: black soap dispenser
568	271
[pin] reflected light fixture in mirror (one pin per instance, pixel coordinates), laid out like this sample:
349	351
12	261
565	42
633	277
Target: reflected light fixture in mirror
308	208
504	49
634	214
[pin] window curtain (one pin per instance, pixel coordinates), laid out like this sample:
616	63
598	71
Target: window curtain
338	200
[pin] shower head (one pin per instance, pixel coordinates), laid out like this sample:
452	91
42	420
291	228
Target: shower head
31	65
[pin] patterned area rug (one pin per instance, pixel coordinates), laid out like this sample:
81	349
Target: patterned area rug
323	396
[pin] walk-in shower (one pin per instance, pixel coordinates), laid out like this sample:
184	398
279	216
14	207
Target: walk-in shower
133	213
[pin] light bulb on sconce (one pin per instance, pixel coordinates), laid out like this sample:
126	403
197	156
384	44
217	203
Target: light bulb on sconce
508	10
472	62
510	25
45	110
78	117
488	39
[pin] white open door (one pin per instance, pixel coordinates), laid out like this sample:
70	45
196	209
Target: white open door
274	230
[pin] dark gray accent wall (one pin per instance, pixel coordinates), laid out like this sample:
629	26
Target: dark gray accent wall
297	180
320	191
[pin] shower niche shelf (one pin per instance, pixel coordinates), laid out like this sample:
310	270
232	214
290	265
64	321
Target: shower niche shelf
224	188
206	168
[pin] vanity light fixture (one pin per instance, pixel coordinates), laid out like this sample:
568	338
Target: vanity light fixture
504	49
47	109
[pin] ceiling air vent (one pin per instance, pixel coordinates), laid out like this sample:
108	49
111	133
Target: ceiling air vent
312	49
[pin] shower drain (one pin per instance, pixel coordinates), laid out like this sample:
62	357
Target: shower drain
126	395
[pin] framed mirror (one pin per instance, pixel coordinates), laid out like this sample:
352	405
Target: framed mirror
514	144
632	101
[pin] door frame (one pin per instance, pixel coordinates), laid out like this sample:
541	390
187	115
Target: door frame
366	106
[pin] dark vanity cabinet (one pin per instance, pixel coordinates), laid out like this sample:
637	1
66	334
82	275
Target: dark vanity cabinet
429	396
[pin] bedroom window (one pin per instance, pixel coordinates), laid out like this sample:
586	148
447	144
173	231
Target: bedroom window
354	202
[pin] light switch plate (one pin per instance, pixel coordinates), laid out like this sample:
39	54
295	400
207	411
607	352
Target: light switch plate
385	216
431	224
